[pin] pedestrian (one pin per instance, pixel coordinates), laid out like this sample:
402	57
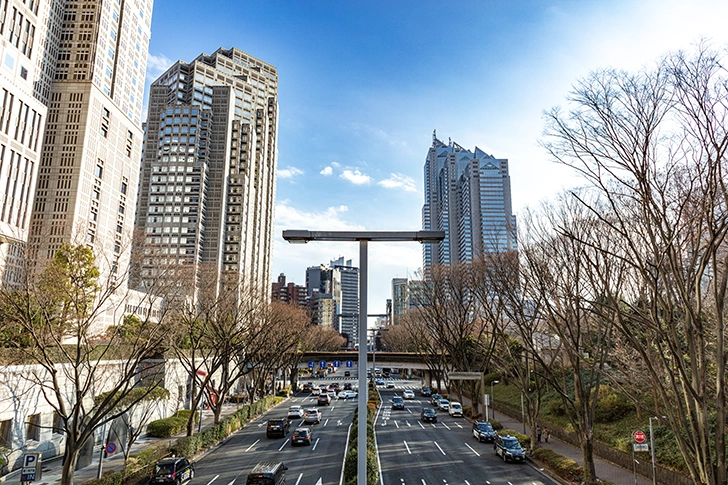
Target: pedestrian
538	433
545	434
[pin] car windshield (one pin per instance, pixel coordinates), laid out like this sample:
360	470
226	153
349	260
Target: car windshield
511	443
485	427
429	411
165	469
300	432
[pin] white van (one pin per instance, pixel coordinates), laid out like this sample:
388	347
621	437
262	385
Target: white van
456	409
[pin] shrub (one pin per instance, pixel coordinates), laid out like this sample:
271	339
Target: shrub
564	467
496	424
612	407
524	440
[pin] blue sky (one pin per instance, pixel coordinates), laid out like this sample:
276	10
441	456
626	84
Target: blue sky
362	86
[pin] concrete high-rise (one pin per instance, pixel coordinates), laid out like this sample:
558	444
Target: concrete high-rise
207	188
24	89
468	196
89	164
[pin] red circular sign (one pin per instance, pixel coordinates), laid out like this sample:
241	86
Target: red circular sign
639	436
110	448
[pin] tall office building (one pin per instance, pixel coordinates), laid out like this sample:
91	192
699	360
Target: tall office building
24	85
468	196
89	164
345	289
207	187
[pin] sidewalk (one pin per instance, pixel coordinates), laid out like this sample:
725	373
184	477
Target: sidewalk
606	470
53	468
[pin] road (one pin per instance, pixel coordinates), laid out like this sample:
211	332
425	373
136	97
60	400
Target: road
410	452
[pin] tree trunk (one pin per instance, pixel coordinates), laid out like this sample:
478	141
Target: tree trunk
70	458
587	451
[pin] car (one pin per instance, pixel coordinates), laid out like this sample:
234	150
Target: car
408	394
295	412
332	395
428	415
301	436
509	448
277	427
348	395
397	402
324	400
443	405
484	431
347	373
380	382
173	470
436	399
390	385
455	409
268	473
425	392
315	391
312	416
347	386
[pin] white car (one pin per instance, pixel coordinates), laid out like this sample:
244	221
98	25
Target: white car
295	412
456	409
315	391
348	394
312	416
444	405
408	394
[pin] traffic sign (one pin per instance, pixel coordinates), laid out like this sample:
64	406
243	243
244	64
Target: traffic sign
322	364
349	363
638	447
31	470
110	447
310	364
337	363
639	436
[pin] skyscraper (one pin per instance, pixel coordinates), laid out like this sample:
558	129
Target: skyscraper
468	196
23	96
207	186
89	164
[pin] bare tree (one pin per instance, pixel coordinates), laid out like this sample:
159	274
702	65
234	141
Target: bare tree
56	312
652	144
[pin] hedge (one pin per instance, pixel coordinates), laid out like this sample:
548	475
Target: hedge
167	427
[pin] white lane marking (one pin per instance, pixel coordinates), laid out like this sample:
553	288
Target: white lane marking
424	482
319	482
299	478
458	425
231	483
326	422
448	427
317	440
284	444
249	447
408	423
467	482
396	424
433	425
471	449
408	450
421	425
438	447
213	479
409	411
261	424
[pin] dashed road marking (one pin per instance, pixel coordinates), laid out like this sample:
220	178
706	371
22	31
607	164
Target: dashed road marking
471	449
408	449
249	447
438	447
286	442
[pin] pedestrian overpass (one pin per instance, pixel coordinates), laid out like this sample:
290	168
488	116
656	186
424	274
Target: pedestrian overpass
350	360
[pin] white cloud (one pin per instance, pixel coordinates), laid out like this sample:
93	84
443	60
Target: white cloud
355	177
156	65
327	171
289	172
399	181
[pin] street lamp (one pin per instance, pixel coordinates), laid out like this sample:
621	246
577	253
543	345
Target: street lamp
304	236
652	446
491	398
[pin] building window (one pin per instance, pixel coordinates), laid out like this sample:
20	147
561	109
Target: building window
123	187
33	427
57	423
99	171
6	427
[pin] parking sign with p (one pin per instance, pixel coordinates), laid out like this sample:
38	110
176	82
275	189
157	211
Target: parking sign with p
31	470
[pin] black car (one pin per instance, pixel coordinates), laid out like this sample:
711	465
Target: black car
277	427
483	431
301	436
347	373
436	399
428	414
173	470
397	402
509	448
425	392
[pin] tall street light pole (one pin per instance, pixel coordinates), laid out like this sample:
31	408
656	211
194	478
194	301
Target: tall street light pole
492	405
303	236
652	449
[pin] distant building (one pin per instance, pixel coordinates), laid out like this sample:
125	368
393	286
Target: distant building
289	292
468	196
208	175
400	299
